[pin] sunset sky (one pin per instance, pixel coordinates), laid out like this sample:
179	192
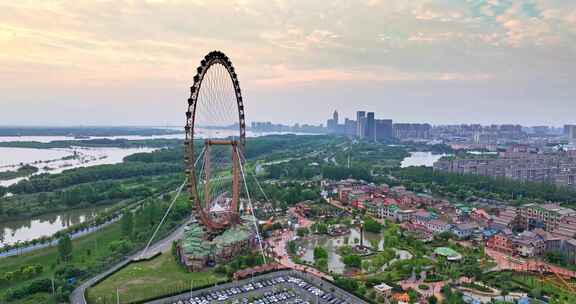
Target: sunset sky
443	61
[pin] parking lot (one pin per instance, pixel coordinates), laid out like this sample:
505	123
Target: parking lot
289	287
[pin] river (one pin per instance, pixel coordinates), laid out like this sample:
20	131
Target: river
58	160
44	225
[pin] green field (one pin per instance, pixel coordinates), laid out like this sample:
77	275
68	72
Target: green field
88	250
148	279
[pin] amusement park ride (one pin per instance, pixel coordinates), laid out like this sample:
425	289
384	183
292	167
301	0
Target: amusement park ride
215	159
202	101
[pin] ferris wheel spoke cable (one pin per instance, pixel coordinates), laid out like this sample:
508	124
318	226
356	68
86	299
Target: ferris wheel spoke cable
178	192
255	221
257	183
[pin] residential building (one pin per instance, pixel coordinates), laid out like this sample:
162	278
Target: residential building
383	290
502	242
570	133
555	168
465	230
506	219
545	216
370	127
411	131
437	226
360	124
383	129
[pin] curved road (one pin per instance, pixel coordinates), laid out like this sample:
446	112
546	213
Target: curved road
77	296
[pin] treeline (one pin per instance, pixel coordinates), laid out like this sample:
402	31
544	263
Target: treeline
295	169
464	186
339	173
91	194
22	171
50	182
172	155
258	146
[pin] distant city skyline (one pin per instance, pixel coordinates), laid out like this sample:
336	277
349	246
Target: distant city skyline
441	62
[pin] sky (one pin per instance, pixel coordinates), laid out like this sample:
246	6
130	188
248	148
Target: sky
443	61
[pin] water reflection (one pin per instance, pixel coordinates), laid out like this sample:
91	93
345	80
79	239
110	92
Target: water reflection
332	243
45	225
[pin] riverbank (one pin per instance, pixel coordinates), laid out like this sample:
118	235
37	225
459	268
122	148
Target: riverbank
92	253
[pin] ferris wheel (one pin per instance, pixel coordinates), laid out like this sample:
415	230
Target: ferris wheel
215	139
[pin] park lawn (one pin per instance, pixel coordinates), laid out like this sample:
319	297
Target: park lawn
148	279
86	251
41	297
532	282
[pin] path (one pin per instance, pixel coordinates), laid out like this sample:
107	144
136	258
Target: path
54	242
278	245
505	262
163	245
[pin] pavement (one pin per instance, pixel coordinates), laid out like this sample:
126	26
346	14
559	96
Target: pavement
163	245
506	262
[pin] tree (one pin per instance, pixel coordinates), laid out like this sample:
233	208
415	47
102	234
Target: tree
302	232
292	248
65	248
127	224
352	260
432	299
372	226
320	253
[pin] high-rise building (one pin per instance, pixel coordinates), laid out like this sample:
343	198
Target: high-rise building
349	127
570	132
360	124
370	127
412	131
383	129
335	117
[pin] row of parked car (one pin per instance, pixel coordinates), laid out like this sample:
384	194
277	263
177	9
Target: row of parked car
241	294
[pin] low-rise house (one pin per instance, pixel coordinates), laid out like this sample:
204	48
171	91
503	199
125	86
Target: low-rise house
502	242
465	230
383	290
404	215
570	250
506	219
479	215
422	216
437	226
529	244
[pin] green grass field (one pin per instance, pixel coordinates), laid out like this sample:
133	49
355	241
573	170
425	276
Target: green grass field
86	251
144	280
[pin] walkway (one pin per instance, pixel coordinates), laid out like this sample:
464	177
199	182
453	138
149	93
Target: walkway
506	262
163	245
54	242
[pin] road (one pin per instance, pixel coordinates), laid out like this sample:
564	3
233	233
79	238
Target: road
163	245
